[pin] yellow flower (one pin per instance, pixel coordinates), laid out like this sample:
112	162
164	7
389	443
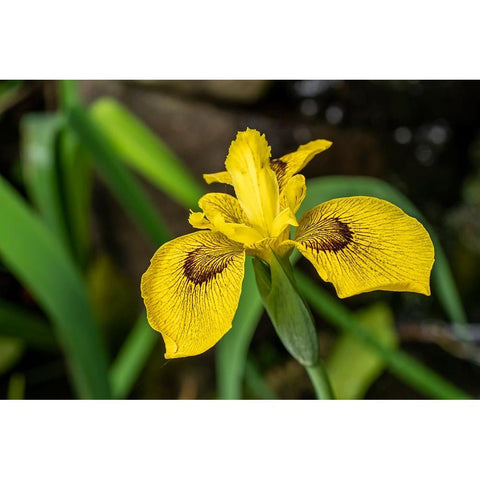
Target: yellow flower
192	287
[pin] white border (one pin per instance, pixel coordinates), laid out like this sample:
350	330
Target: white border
239	439
246	39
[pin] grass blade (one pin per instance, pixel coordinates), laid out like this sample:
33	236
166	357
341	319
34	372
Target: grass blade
58	178
420	377
31	250
38	136
16	322
232	350
322	189
122	184
143	151
132	357
75	171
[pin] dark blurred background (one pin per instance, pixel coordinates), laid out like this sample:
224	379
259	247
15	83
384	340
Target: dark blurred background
420	136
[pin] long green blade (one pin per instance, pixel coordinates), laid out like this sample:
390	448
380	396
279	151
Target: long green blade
38	134
16	322
132	357
75	172
232	350
322	189
402	365
145	152
40	261
123	185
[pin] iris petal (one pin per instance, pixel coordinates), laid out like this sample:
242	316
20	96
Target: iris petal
362	244
255	184
290	164
191	291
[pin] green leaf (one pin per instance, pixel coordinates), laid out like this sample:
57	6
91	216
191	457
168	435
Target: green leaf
15	322
145	152
41	262
232	350
322	189
132	357
122	184
75	171
68	93
57	175
405	367
38	134
353	366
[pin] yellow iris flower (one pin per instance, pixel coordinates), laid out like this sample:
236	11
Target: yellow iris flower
193	284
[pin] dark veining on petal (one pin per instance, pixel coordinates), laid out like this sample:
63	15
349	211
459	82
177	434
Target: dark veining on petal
331	235
200	267
280	168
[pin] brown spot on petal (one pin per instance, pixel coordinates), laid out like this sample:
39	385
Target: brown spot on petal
331	235
200	267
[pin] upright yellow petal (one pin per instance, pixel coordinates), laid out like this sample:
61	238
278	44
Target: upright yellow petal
191	291
362	244
290	164
255	184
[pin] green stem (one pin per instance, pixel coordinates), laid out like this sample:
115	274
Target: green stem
321	383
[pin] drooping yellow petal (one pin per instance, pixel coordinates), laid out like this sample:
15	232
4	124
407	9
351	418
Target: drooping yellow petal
191	291
362	244
219	177
293	193
290	164
255	184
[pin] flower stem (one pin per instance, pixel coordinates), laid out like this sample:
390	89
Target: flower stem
319	377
